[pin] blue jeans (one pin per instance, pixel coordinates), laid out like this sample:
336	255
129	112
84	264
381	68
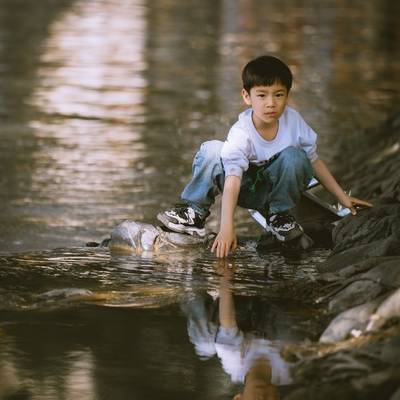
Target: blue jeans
272	188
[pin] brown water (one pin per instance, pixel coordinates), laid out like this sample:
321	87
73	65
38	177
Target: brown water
102	106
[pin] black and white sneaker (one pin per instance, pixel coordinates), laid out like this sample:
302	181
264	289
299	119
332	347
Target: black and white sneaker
283	226
184	219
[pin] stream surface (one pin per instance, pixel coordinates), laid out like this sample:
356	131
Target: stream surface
103	104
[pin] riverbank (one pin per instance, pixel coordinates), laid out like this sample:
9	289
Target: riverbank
358	353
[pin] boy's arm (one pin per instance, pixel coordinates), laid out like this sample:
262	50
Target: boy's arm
329	182
227	314
226	238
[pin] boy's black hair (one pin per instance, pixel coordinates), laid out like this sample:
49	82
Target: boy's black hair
265	71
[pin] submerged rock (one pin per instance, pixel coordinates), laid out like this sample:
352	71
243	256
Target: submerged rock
64	293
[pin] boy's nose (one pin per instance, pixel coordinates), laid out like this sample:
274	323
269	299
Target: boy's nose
270	103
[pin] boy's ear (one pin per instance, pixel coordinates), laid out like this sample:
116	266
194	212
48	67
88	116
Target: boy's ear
238	397
246	97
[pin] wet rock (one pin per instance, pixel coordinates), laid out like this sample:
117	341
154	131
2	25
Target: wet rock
355	268
396	395
355	318
368	226
323	392
368	372
380	248
354	294
138	237
361	285
372	232
268	242
379	276
390	308
64	293
372	171
131	235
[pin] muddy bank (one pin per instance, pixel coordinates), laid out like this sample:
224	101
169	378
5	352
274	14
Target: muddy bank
359	286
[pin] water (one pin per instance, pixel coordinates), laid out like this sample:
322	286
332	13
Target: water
80	323
102	105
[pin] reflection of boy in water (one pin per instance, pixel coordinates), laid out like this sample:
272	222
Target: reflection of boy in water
256	362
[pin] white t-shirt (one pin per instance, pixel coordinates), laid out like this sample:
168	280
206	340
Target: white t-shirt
238	354
245	145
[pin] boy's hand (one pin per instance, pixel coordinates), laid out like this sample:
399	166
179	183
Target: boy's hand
224	241
353	202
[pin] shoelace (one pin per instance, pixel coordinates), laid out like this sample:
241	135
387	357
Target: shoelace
181	210
282	219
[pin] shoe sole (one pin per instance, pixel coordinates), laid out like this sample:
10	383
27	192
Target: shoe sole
291	236
179	228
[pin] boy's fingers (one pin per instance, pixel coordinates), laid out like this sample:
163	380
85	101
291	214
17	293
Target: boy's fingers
219	249
365	203
361	202
214	245
222	250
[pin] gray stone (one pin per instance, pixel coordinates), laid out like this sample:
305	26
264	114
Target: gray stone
354	294
396	395
385	247
382	276
138	237
368	226
390	308
354	318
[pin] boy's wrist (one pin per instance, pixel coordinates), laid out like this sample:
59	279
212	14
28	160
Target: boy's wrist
227	225
342	197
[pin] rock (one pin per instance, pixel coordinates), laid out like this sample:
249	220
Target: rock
356	268
372	171
385	247
131	236
138	237
396	395
368	372
362	282
325	391
354	294
390	308
65	293
368	226
371	233
354	318
382	275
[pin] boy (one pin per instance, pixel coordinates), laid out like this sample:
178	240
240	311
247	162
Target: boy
266	162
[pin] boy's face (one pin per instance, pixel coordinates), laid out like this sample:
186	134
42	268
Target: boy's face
268	103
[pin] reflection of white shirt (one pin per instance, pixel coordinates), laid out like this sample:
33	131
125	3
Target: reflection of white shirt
245	145
238	354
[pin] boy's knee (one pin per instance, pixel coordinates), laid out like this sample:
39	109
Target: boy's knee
211	149
293	157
